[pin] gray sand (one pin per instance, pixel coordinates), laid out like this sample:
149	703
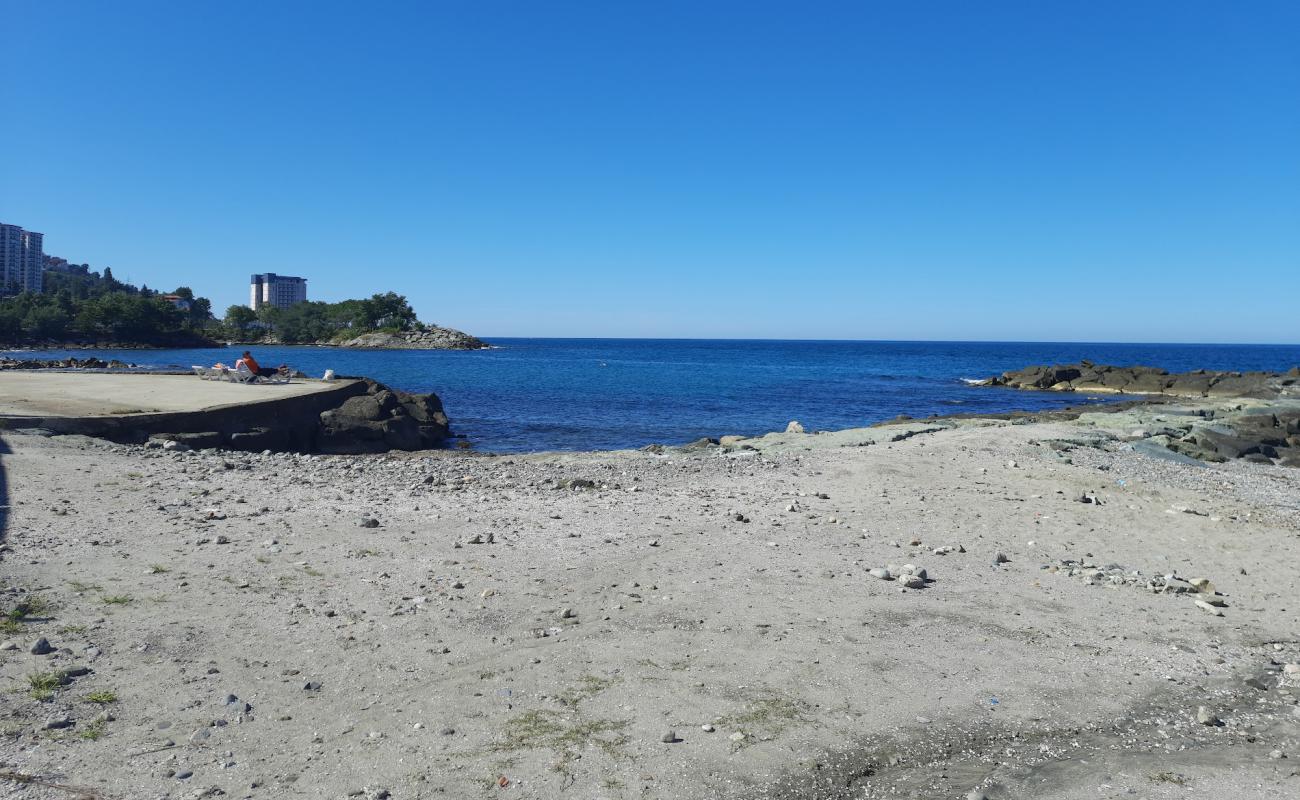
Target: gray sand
497	636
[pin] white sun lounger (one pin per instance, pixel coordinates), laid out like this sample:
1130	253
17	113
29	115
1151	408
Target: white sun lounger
209	373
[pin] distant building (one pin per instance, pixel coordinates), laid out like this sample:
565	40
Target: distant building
56	264
22	258
277	291
176	300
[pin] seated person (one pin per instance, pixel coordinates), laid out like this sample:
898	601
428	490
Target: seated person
254	367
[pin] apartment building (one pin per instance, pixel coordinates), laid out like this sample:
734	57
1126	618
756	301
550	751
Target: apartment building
22	259
277	291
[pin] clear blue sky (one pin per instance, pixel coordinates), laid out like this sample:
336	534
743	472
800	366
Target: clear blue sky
931	170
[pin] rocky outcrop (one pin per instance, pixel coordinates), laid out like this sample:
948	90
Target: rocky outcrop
62	363
430	338
355	415
383	419
1089	377
1257	435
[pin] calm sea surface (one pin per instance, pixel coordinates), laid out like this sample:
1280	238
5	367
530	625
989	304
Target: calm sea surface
595	394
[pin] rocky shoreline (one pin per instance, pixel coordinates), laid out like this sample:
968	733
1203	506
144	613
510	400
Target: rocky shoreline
63	363
1264	429
429	338
1103	378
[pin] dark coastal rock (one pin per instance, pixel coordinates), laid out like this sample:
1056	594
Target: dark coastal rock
1260	436
63	363
383	419
1088	377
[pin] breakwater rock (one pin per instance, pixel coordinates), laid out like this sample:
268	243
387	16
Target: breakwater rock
383	419
1089	377
63	363
430	338
364	417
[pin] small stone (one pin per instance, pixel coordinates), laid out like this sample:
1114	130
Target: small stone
9	645
200	736
669	737
568	613
311	686
1209	609
55	723
369	522
1000	558
737	737
707	728
976	794
912	582
881	573
41	647
794	426
447	731
1206	717
184	774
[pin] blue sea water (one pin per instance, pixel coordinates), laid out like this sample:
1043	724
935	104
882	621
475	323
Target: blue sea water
593	394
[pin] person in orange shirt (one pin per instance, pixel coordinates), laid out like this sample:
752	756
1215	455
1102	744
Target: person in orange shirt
250	362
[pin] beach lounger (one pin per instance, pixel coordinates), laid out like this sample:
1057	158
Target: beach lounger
209	373
242	374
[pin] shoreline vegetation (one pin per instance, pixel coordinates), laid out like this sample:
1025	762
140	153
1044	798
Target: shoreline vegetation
93	311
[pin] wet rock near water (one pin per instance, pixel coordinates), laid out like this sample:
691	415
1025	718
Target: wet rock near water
63	363
1089	377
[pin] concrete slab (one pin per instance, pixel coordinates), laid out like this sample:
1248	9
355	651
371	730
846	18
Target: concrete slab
91	394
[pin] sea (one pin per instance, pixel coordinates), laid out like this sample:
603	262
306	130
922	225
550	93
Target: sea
526	395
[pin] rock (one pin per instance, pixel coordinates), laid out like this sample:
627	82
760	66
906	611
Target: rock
912	582
568	613
669	737
707	728
1208	608
369	522
184	774
794	426
737	737
1000	558
57	722
447	731
41	647
430	337
976	794
9	645
881	573
1206	717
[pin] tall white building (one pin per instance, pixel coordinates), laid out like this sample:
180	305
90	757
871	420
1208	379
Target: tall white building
22	260
278	291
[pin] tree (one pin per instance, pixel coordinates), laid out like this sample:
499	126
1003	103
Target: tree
239	318
46	322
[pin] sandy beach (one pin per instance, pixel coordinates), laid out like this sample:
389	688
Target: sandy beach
687	623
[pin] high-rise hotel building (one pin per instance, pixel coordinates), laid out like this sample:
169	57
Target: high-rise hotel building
277	291
22	260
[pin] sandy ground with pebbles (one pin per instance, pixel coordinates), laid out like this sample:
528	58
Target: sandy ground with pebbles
682	624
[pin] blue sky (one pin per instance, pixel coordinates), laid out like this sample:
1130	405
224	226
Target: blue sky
1093	171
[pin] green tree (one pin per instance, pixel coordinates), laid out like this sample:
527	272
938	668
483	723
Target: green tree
239	318
46	321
